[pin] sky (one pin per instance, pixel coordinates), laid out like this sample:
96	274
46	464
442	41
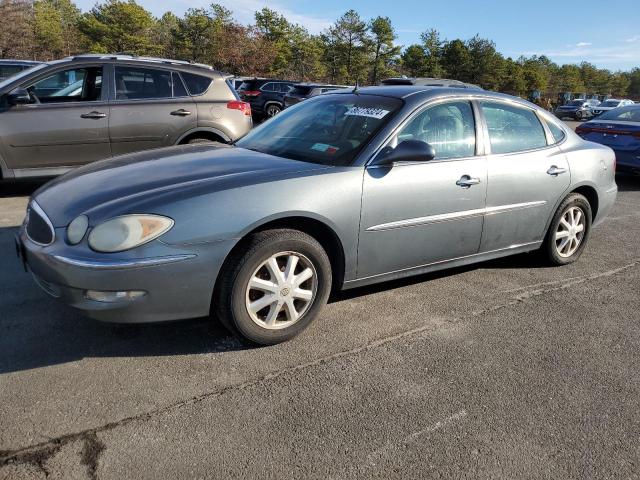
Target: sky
567	31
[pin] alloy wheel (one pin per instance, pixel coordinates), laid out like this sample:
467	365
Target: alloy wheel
570	232
281	290
272	110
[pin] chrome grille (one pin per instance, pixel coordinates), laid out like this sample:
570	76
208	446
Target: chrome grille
39	228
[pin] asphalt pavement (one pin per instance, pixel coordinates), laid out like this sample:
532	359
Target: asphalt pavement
507	369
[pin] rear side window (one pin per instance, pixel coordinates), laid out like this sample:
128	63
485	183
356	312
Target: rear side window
512	128
142	83
269	87
196	84
557	133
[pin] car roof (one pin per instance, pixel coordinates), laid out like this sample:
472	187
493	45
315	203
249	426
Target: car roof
197	68
8	61
420	94
319	85
428	82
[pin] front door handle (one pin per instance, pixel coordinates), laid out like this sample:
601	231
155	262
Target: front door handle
181	113
466	181
93	115
554	171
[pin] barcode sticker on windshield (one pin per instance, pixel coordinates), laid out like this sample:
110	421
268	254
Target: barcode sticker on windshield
367	112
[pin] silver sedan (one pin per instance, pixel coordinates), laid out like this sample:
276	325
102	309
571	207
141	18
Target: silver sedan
343	190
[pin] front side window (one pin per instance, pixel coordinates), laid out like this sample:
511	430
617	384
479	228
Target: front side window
73	85
328	129
448	127
9	70
512	128
134	83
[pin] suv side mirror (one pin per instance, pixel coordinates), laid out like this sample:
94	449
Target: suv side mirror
19	96
409	151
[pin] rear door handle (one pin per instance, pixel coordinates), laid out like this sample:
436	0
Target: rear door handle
93	115
466	181
554	171
181	112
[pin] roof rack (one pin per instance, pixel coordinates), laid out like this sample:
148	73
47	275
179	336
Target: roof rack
126	56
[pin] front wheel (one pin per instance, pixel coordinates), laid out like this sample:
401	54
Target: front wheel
273	286
569	230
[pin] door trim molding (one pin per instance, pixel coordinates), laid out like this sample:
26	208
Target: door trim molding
446	217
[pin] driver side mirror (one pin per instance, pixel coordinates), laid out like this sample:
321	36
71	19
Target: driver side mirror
19	96
408	151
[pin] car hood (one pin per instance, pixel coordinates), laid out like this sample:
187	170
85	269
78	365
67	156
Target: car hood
171	172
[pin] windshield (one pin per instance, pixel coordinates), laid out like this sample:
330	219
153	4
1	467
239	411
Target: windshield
328	129
576	103
23	73
611	103
629	114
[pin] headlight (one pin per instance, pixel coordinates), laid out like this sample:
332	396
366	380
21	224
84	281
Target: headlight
77	229
128	231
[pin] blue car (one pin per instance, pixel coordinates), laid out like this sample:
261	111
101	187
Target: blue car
620	130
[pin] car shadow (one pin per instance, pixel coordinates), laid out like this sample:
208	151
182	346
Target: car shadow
627	182
19	188
38	331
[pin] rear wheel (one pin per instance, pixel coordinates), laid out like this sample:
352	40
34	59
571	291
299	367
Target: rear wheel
272	110
200	140
569	230
273	286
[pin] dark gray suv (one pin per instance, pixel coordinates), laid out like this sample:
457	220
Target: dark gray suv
66	113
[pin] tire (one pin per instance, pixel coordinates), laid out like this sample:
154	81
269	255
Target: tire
272	110
199	140
551	248
252	261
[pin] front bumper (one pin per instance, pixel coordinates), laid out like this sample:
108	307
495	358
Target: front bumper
178	281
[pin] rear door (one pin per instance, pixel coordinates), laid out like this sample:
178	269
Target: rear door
65	125
527	174
150	108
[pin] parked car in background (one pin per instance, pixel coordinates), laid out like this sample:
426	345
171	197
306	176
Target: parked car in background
302	91
238	81
577	109
66	113
265	96
428	82
610	105
344	190
618	129
8	68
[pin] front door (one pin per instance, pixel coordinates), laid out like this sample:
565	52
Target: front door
420	213
65	125
151	109
526	176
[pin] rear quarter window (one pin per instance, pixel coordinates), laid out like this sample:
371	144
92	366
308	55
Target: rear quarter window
196	84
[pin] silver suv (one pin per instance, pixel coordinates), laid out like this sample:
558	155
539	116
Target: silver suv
74	111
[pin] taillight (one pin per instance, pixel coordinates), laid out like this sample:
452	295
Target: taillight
582	130
250	93
244	107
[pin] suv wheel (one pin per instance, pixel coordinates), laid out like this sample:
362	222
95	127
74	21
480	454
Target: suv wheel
272	110
273	287
200	140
